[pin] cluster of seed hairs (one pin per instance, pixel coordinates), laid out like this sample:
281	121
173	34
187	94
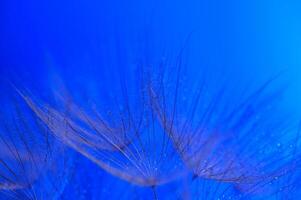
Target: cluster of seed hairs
236	142
162	128
32	163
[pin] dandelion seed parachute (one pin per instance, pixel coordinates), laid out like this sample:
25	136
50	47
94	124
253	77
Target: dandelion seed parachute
32	163
127	141
227	139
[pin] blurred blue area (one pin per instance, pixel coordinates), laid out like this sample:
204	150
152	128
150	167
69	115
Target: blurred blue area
92	43
252	37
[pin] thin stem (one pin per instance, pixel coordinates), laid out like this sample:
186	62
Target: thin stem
155	192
